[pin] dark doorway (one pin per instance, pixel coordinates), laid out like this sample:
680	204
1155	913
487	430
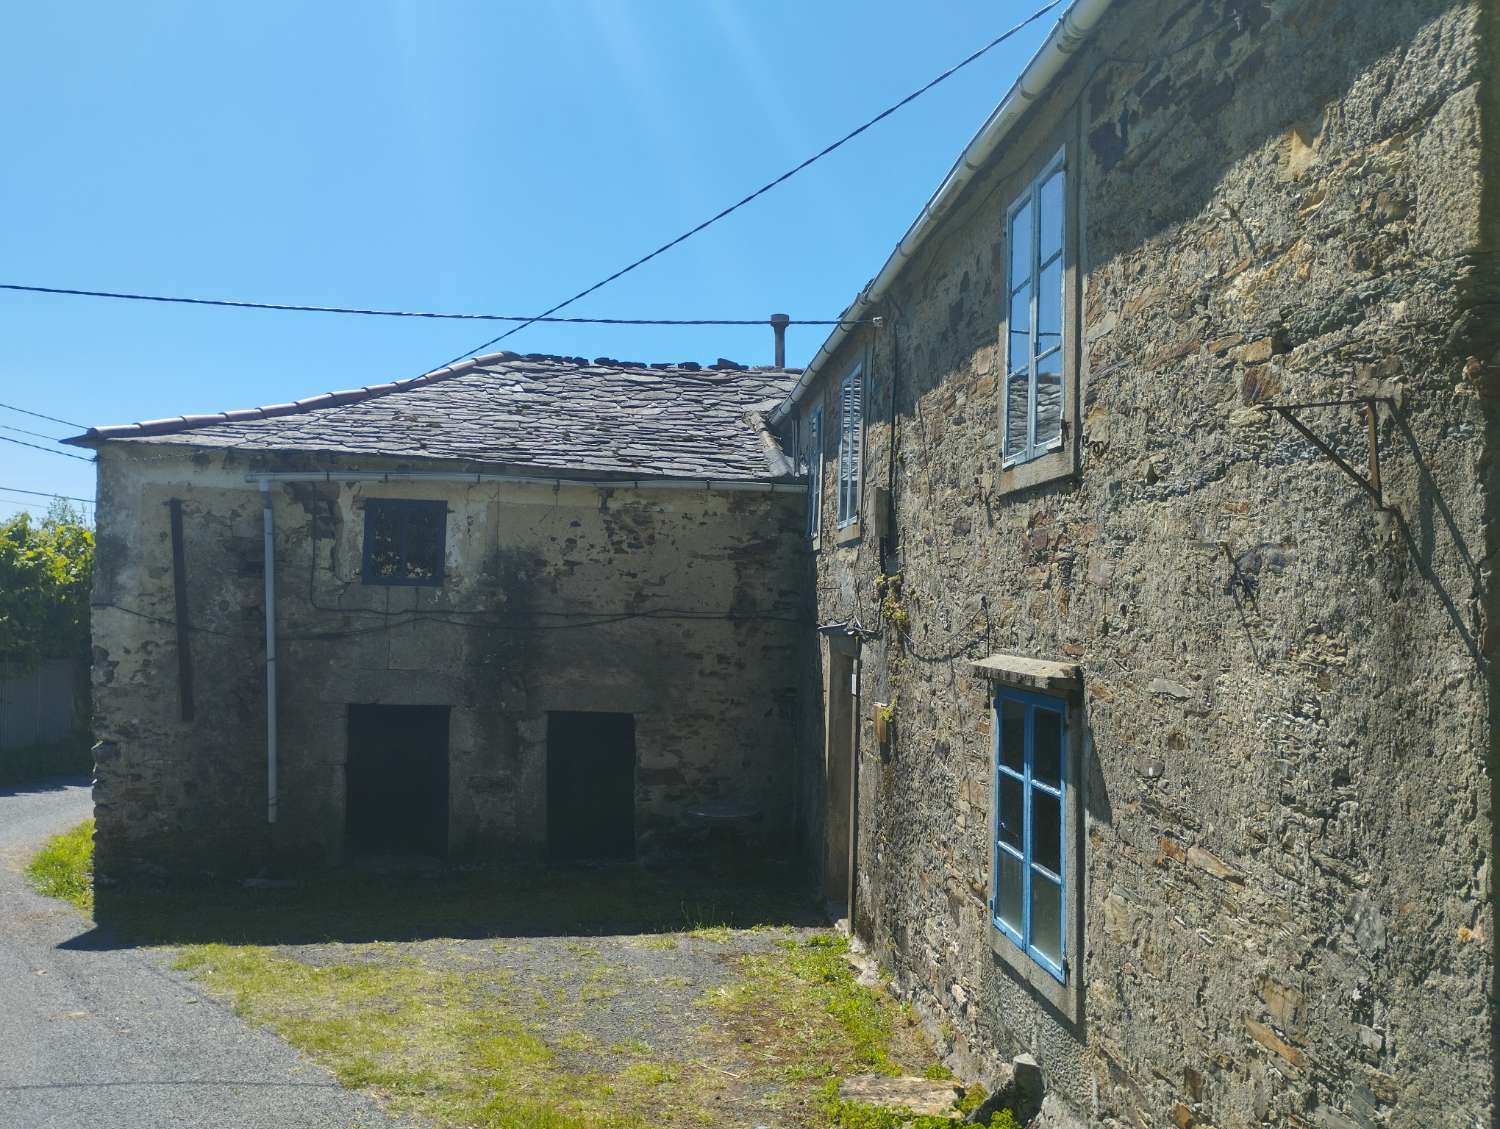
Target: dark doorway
397	775
591	785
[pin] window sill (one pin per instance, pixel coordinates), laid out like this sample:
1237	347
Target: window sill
1062	995
1030	674
1043	469
848	534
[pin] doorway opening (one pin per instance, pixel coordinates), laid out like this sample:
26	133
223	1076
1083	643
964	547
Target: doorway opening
397	776
838	785
590	785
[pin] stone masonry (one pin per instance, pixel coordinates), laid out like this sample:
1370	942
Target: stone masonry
677	606
1285	895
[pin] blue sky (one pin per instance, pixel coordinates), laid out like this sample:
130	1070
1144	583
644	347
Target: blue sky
444	156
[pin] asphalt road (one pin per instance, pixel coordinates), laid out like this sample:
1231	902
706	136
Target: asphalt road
95	1037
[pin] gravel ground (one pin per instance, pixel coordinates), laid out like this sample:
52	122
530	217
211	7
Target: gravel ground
98	1037
598	999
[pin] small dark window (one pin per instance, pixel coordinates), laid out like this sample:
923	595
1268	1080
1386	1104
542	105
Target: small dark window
404	541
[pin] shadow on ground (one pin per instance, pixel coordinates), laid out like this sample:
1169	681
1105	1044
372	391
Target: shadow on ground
44	784
355	906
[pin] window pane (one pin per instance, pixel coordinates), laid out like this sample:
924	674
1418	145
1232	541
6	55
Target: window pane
1047	735
1018	358
383	541
1049	398
1051	196
1017	410
1012	735
1046	830
1008	891
404	542
1020	247
1012	811
1049	294
1046	917
424	542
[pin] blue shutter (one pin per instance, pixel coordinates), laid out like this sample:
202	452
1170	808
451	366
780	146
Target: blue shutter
851	419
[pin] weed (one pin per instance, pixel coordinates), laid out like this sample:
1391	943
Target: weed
840	1114
64	867
804	1020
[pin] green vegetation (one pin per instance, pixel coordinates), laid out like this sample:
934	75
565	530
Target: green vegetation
46	569
892	609
64	867
853	1115
371	977
453	1047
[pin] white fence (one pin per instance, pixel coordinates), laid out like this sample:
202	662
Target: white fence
39	707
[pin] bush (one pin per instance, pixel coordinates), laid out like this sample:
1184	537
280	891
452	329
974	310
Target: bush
46	570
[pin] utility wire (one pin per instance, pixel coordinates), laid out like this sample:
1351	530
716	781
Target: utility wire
39	415
49	450
763	189
33	434
45	494
524	320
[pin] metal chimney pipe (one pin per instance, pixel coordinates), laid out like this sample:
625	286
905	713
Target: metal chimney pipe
779	322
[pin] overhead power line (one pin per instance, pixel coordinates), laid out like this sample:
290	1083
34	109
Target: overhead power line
49	450
770	184
45	494
39	415
33	434
287	308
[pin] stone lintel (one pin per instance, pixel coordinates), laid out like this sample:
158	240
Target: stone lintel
1032	674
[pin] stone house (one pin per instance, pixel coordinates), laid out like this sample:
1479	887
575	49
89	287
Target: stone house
1152	532
521	605
1105	610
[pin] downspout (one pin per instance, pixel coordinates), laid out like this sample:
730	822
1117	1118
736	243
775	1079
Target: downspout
268	524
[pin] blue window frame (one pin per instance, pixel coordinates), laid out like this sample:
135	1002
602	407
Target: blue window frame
815	473
1036	231
404	542
851	436
1028	869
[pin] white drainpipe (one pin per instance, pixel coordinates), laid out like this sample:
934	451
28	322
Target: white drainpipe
797	486
269	527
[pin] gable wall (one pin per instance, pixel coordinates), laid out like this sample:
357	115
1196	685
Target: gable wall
1293	921
508	637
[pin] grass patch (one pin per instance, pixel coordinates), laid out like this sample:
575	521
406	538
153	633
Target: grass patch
456	1048
853	1115
64	867
389	1000
805	1022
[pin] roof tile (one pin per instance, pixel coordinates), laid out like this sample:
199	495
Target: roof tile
537	412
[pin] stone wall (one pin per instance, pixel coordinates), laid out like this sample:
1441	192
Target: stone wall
1286	893
680	607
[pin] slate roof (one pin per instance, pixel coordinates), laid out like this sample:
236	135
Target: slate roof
603	417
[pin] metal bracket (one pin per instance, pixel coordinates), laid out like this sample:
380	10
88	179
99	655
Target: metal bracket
1369	482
